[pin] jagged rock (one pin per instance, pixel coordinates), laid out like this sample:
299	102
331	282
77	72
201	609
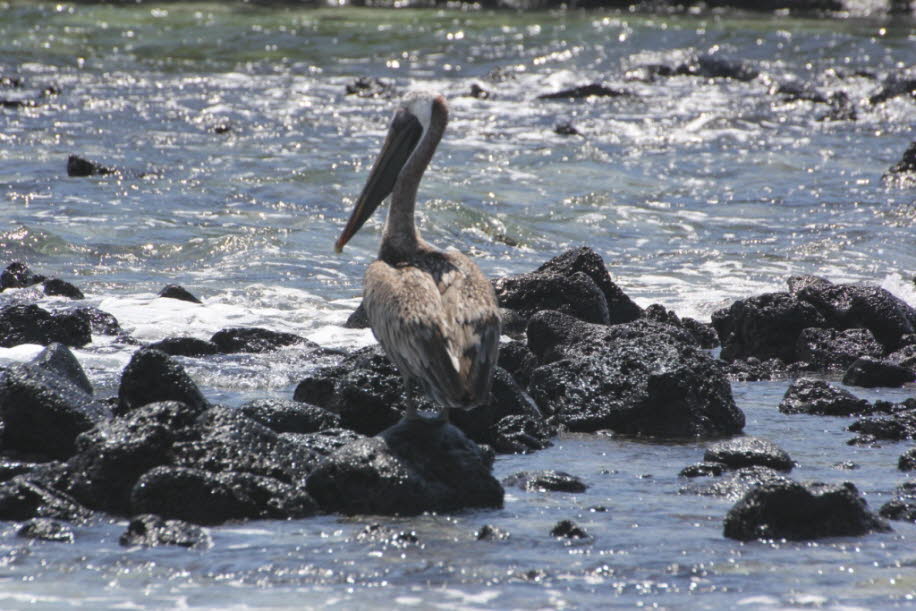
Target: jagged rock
255	340
810	396
153	376
17	275
77	166
46	529
832	349
407	469
785	509
568	529
576	295
112	456
46	403
201	497
897	424
734	484
150	530
749	452
176	291
583	259
703	334
585	91
870	373
543	481
290	416
56	286
184	346
850	306
636	378
907	461
520	435
30	324
765	326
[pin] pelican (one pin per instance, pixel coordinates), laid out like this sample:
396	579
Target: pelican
434	312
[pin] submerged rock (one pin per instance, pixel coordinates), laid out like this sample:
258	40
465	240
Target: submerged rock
151	530
568	529
749	452
543	481
591	90
370	87
907	163
407	469
47	529
870	373
46	403
785	509
30	324
896	424
907	461
635	378
176	291
810	396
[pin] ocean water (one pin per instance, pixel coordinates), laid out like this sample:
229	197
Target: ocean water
696	192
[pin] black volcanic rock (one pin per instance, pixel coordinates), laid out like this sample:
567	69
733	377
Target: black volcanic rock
518	360
907	163
254	339
290	416
100	323
542	481
80	167
831	349
184	346
176	291
893	87
358	319
785	509
408	469
903	506
897	423
150	530
583	259
46	403
30	324
637	378
591	90
56	286
567	529
519	434
153	376
46	529
749	452
576	295
907	461
810	396
765	326
870	373
370	87
17	275
711	66
26	496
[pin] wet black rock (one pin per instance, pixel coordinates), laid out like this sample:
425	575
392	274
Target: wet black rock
153	376
898	423
576	295
290	416
150	530
583	259
408	469
893	87
518	360
810	396
905	357
733	484
176	291
907	163
543	481
765	326
17	275
389	537
711	66
591	90
907	461
184	346
491	533
202	497
567	529
841	108
30	324
11	468
46	529
479	92
254	339
78	166
370	87
903	506
100	323
753	369
704	334
26	496
850	306
566	128
828	349
519	434
46	403
638	378
112	456
871	373
795	91
62	288
785	509
704	469
358	319
749	452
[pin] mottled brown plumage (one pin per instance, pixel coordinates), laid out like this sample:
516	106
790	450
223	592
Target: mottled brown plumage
433	312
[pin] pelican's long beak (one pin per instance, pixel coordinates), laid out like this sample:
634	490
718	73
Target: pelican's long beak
402	138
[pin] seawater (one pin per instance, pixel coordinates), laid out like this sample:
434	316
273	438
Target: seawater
696	192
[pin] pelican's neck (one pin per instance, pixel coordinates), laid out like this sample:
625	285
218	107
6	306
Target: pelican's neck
400	238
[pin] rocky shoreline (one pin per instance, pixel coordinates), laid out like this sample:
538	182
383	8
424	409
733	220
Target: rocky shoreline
582	357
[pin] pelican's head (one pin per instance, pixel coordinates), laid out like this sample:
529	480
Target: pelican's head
410	125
